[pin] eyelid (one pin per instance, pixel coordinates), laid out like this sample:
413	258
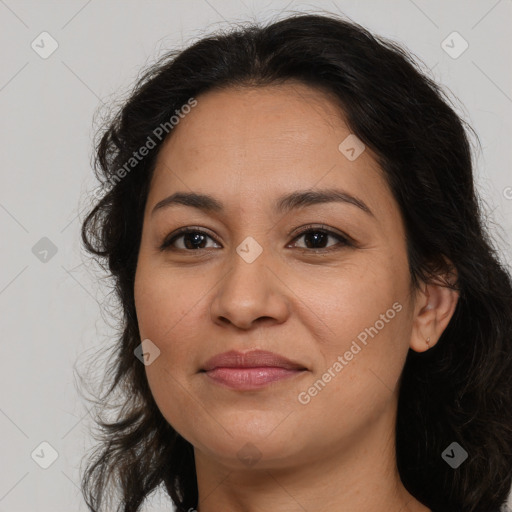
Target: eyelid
321	227
169	239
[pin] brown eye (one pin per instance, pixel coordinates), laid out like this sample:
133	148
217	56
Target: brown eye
192	240
316	238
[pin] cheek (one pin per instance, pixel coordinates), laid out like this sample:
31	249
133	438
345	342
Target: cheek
165	311
166	300
366	325
347	300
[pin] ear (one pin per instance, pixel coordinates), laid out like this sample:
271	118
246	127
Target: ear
435	305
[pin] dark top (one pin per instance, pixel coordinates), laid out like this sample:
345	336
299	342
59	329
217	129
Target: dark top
503	508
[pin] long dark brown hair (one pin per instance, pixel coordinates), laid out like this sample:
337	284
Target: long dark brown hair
459	391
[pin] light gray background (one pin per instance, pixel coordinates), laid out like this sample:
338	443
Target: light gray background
51	311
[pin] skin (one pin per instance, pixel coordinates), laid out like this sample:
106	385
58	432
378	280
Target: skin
246	147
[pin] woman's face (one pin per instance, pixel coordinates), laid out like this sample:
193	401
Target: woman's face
249	280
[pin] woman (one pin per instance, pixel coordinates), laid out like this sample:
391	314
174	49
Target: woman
314	316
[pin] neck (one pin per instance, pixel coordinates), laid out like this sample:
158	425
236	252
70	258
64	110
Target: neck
360	475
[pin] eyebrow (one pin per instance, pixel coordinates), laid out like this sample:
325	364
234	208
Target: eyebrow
284	204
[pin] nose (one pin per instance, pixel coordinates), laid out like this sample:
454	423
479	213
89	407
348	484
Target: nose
249	294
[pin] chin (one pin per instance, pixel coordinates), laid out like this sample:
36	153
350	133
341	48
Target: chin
250	450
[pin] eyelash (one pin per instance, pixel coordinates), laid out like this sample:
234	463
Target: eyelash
345	240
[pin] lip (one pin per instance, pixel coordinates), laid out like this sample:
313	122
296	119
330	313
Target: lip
250	370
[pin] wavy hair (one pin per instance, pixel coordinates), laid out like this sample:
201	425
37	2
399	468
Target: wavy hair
458	391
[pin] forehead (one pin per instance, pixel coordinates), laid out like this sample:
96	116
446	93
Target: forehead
276	116
259	141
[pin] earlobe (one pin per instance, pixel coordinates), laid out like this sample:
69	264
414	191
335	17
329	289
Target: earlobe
435	305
